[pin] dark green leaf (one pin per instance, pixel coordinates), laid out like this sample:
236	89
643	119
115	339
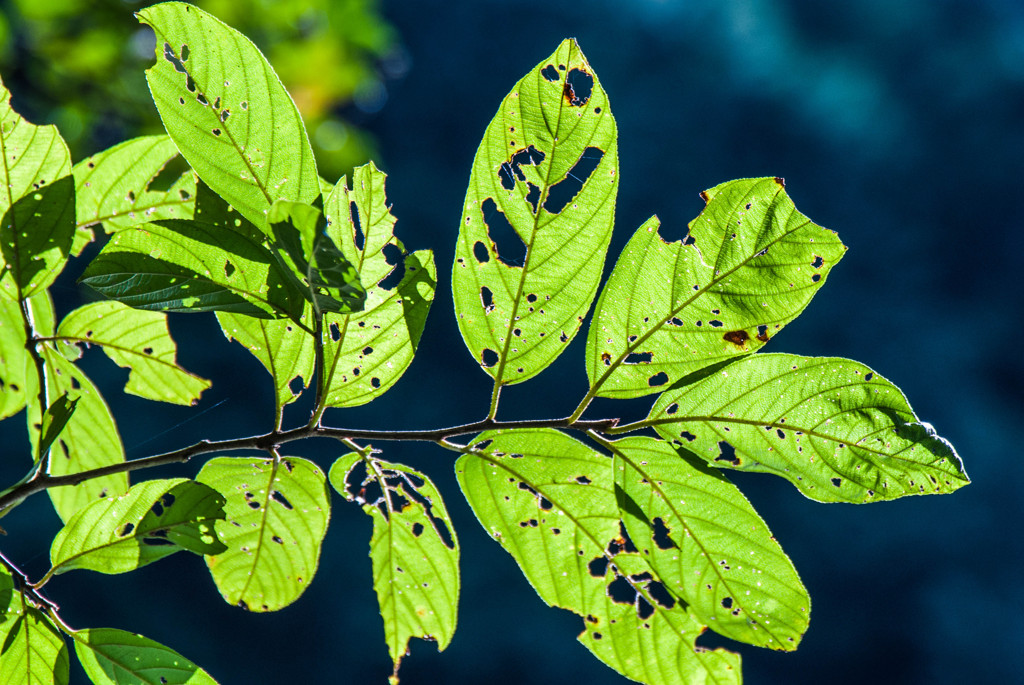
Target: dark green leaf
54	420
414	549
330	280
152	520
537	219
833	427
749	265
115	657
188	266
227	112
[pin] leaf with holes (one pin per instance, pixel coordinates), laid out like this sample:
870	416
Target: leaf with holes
367	352
277	516
833	427
116	657
708	545
34	651
137	340
113	187
188	266
537	219
152	520
89	440
284	349
37	204
748	266
414	549
549	500
326	278
227	112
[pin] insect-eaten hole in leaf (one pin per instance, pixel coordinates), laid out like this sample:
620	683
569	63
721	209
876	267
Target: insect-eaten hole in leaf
488	358
296	386
661	534
837	482
173	59
280	499
417	529
715	323
277	539
623	543
532	196
487	299
481	253
738	338
229	268
562	193
578	87
510	171
157	538
598	567
550	73
727	453
335	331
393	255
127	529
762	333
660	378
639	358
818	262
375	382
357	226
509	248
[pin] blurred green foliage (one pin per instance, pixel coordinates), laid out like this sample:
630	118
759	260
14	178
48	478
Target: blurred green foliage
79	64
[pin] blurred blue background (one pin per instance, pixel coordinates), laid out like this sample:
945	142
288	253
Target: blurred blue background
900	125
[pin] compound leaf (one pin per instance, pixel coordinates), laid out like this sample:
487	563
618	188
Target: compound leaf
34	651
537	219
550	502
37	203
152	520
749	265
112	187
189	266
708	545
365	353
277	515
116	657
327	279
834	428
227	112
414	549
138	340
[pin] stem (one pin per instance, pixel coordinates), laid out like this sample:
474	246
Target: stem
626	428
495	395
318	369
43	460
584	403
22	584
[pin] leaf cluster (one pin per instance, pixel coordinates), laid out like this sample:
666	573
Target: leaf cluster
636	528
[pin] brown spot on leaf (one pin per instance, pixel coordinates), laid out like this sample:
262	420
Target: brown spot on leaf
738	338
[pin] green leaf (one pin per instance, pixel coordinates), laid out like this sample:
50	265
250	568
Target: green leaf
749	265
550	502
708	545
6	592
37	202
188	266
34	652
112	187
54	420
367	352
414	549
833	427
277	515
284	349
137	340
116	657
227	112
532	241
15	362
152	520
89	440
328	279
